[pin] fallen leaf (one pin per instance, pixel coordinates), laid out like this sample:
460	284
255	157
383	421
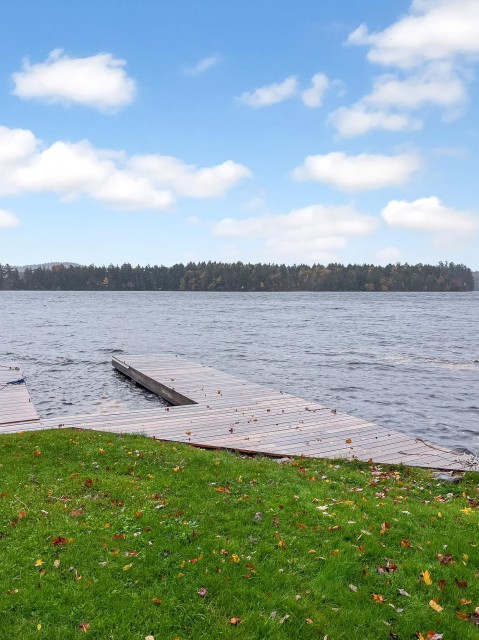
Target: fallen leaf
462	615
309	621
448	558
441	584
283	619
464	601
235	621
352	587
88	483
235	558
462	584
402	592
202	591
59	540
127	567
434	605
406	544
156	600
83	627
377	597
425	576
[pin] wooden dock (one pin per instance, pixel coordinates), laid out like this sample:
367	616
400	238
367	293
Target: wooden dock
15	404
216	410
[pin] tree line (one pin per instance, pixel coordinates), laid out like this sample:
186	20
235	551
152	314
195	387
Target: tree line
220	276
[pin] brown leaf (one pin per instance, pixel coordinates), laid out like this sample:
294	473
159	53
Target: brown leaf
385	527
464	601
235	620
59	540
75	513
441	584
462	615
448	558
405	543
88	483
462	584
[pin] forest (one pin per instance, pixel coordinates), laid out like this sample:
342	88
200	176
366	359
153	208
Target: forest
238	276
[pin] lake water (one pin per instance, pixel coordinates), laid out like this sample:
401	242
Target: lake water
408	361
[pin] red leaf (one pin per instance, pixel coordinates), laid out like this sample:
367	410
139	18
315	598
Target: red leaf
59	540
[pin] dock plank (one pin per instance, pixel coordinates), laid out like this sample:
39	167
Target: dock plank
15	403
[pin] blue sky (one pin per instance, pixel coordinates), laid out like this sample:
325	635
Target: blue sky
265	131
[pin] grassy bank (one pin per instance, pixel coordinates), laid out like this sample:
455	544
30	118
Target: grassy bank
124	538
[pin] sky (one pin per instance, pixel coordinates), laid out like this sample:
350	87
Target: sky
156	132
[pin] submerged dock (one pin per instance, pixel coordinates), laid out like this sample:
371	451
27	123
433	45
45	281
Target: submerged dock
213	409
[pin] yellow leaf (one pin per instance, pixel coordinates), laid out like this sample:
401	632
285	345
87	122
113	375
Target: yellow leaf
176	469
235	558
39	626
434	605
426	577
466	510
377	597
127	567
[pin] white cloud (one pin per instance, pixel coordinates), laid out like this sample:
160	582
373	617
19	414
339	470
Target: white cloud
200	67
271	94
389	255
436	84
313	97
8	219
312	233
72	170
433	30
362	172
429	215
433	48
358	120
187	180
98	81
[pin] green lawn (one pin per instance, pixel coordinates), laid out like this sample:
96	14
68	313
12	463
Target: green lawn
114	537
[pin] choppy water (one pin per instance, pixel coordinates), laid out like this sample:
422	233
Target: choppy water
409	361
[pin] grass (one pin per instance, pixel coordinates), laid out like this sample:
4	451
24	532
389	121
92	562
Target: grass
114	537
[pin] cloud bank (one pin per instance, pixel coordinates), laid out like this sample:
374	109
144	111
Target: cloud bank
312	233
432	50
76	169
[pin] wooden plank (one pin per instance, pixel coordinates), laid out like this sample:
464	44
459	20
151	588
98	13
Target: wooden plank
15	403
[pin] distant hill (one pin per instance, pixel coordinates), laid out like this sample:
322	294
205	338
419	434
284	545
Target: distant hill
47	265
